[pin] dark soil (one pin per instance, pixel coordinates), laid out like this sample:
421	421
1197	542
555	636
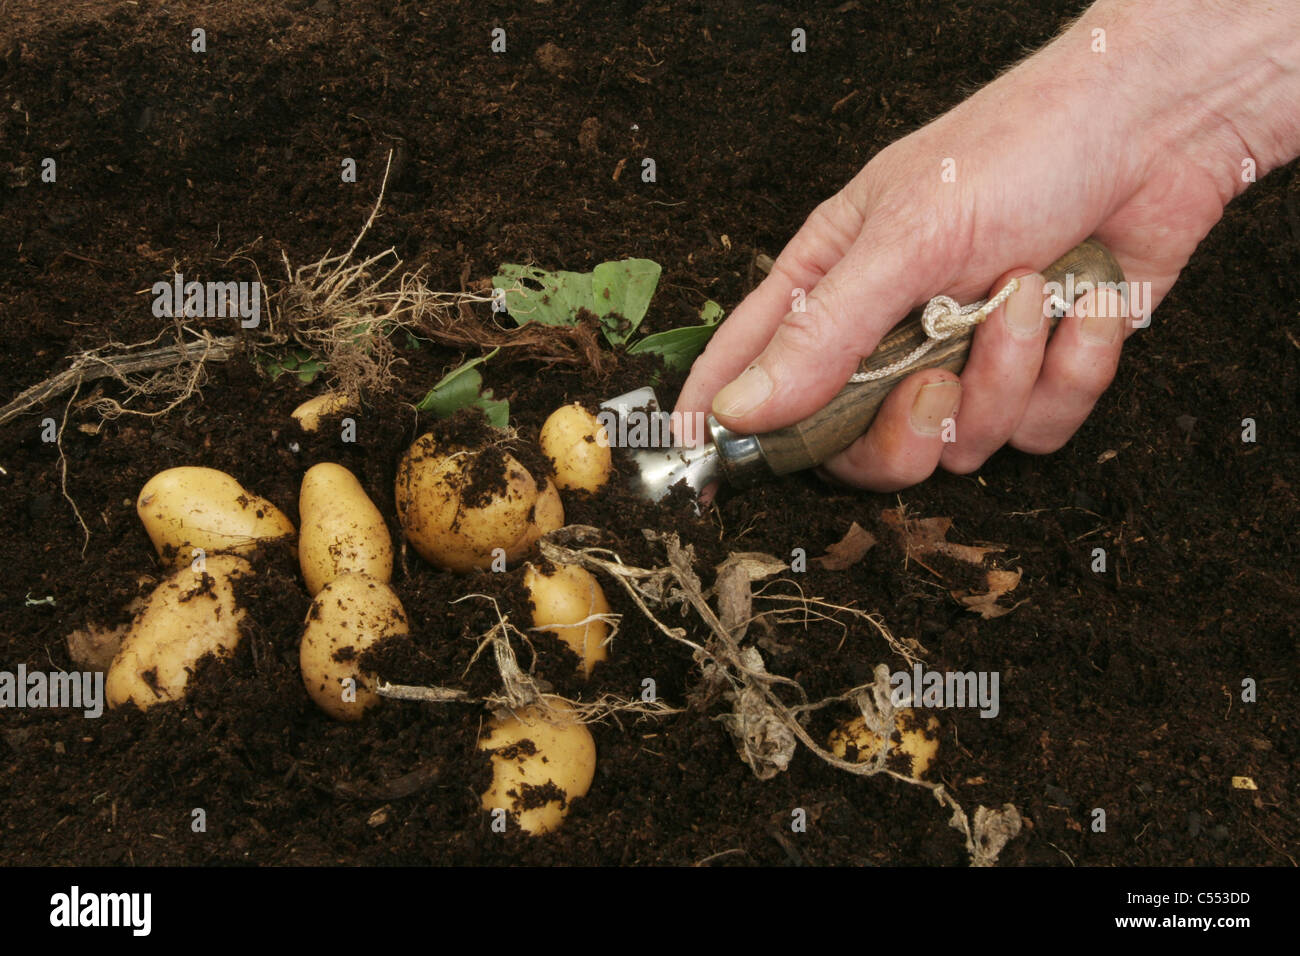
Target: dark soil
1120	690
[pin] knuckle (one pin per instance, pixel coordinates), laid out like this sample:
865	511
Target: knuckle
1083	378
812	330
1035	442
962	461
890	469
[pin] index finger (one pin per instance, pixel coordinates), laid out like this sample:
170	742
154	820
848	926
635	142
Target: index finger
822	241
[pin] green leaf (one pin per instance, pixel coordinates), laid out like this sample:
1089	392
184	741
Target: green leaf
462	388
679	347
497	410
618	293
458	390
300	362
711	312
622	292
558	300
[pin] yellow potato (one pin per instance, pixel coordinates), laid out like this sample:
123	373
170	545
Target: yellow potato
187	508
561	599
455	527
578	447
548	515
538	767
914	740
342	530
349	616
308	415
190	614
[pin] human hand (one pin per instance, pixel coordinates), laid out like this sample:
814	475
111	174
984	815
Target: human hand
1069	144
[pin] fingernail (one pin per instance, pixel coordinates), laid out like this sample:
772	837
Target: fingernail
1104	327
934	403
1023	314
744	394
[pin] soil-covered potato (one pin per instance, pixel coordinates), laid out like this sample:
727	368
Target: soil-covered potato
342	530
548	514
914	741
578	447
190	614
308	415
540	766
350	615
563	597
188	507
457	506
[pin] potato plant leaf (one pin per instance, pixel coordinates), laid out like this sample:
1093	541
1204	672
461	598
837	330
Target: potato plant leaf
618	293
497	410
680	347
551	298
711	313
622	292
462	387
300	362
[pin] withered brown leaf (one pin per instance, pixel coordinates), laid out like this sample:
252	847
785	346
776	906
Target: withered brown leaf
848	551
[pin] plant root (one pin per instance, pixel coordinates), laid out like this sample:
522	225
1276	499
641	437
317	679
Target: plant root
185	358
765	728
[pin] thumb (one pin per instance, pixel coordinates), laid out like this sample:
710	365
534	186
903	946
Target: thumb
814	350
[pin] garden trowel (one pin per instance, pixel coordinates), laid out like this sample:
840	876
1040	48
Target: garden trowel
743	460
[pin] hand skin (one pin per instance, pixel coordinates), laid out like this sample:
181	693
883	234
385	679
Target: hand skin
1141	146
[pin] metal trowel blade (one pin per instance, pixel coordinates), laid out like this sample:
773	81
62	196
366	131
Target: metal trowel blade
642	428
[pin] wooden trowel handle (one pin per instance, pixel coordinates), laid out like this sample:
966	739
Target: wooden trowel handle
846	417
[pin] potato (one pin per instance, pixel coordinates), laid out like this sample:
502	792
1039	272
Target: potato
561	599
578	447
548	515
350	615
914	741
454	516
187	508
309	414
342	530
190	614
539	766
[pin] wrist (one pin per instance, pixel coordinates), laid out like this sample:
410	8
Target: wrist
1215	83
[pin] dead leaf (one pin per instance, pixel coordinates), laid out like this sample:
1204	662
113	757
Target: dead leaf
735	599
999	582
848	551
991	831
755	564
921	536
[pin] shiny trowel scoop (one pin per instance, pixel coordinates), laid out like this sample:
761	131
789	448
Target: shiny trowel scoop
652	438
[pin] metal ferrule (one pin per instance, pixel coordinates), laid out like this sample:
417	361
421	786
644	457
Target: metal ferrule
740	456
